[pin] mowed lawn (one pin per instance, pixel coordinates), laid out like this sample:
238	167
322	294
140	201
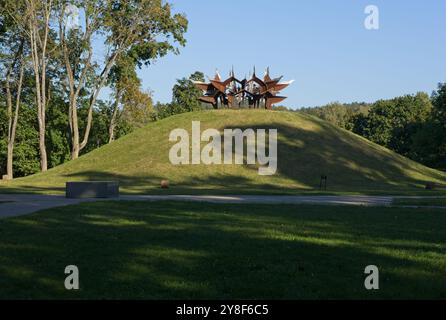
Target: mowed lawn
437	202
162	250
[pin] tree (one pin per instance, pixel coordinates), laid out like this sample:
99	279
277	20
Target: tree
141	29
185	95
137	108
126	83
27	151
358	123
13	52
342	115
39	14
439	103
33	17
185	98
392	123
429	143
58	142
13	117
165	110
76	56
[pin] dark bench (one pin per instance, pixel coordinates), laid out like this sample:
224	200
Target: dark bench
92	189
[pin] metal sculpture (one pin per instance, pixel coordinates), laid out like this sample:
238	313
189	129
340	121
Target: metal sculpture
234	93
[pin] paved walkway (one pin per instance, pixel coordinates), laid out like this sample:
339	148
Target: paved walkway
340	200
22	204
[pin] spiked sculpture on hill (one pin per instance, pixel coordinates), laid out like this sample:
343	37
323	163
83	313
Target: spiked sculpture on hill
234	93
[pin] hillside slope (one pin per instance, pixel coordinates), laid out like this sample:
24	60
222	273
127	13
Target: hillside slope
307	148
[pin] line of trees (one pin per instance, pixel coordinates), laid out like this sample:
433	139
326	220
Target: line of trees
53	71
342	115
411	125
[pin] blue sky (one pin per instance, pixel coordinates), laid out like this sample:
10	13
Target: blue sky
321	44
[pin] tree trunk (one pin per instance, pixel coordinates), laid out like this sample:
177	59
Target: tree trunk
75	133
94	96
79	142
13	119
111	128
39	56
9	173
42	148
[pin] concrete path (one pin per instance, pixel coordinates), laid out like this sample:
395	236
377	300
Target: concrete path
339	200
21	204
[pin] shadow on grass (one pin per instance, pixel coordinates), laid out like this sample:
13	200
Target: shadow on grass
167	250
305	155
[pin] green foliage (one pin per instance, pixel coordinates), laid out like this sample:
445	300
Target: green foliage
342	115
26	151
439	102
134	106
101	120
185	95
184	98
392	123
358	123
149	26
134	33
429	143
165	110
99	132
57	140
123	73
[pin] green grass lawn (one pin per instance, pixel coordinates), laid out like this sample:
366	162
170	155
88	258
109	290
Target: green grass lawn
307	148
162	250
436	202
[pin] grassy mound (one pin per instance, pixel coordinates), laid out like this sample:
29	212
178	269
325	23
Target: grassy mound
307	148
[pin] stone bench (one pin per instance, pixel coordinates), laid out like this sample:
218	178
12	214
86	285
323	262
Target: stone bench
92	189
